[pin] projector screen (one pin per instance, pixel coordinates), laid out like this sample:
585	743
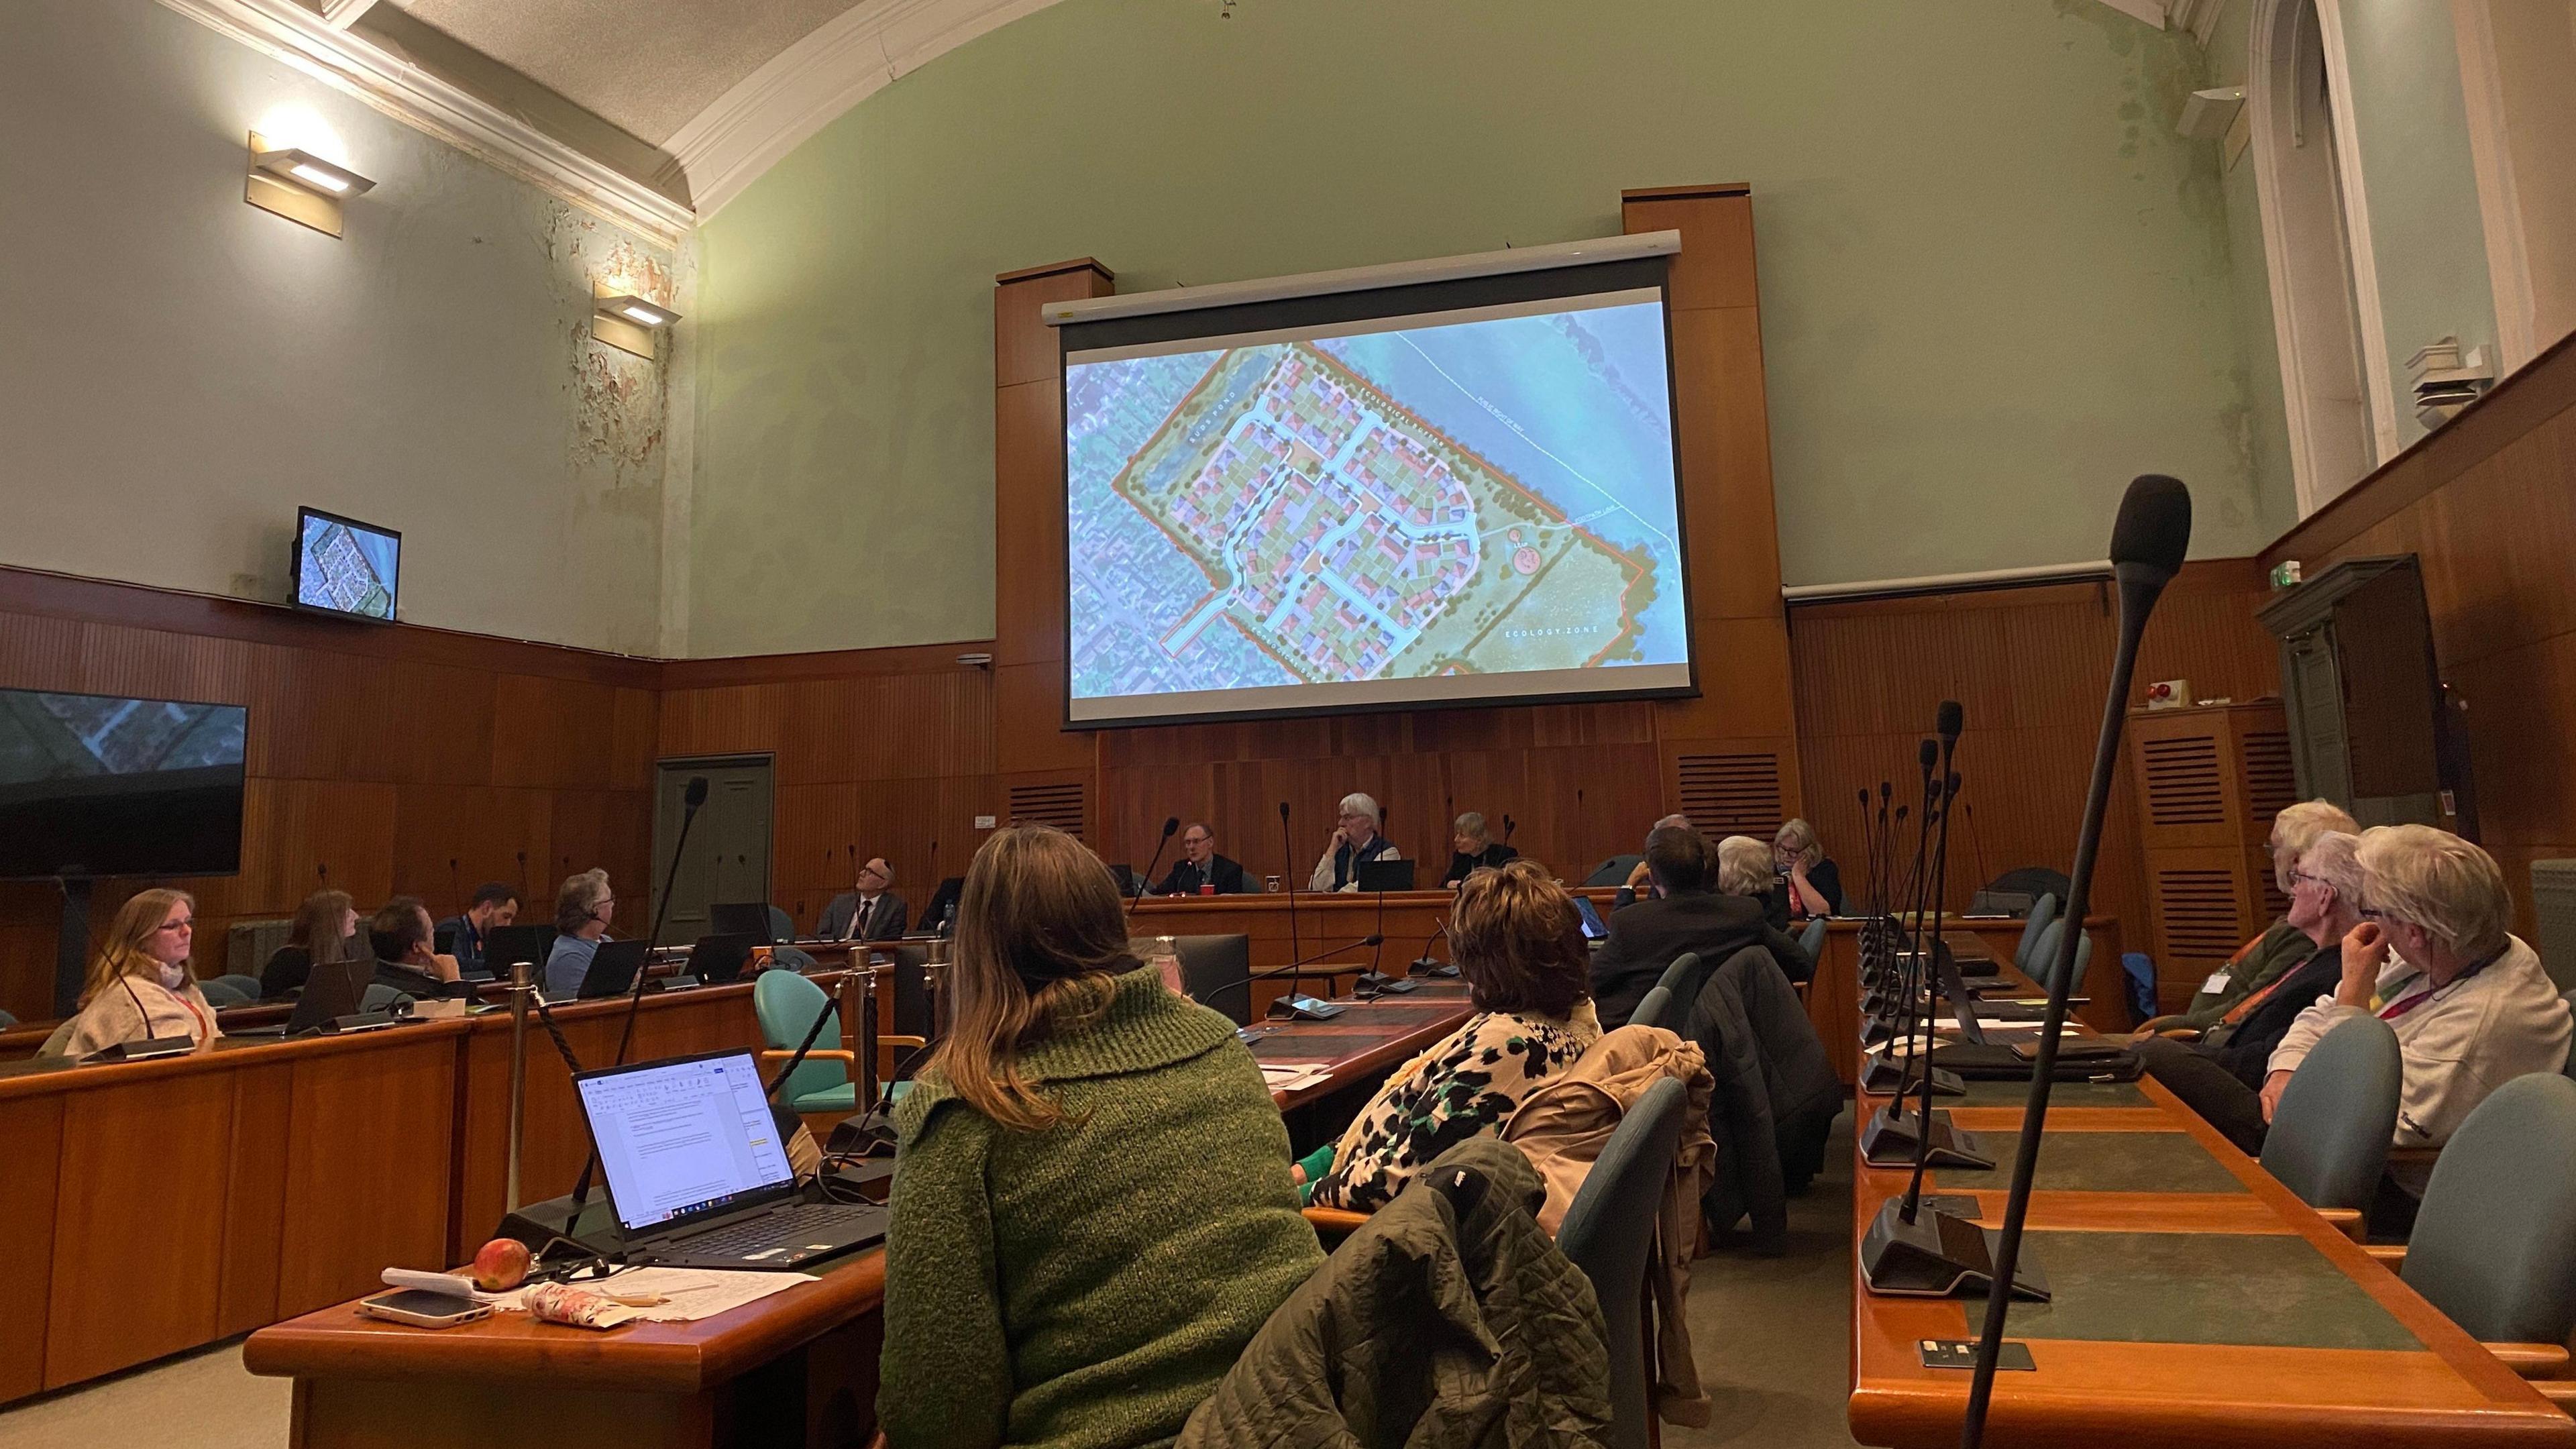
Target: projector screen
1331	505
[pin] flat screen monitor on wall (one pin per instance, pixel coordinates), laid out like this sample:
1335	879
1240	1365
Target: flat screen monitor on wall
97	785
1438	483
346	567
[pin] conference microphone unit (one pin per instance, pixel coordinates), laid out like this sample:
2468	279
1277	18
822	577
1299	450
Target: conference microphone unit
1171	827
1427	964
1296	1006
1374	982
2147	547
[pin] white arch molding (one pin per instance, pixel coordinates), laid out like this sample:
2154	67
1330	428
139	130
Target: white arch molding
803	88
2336	384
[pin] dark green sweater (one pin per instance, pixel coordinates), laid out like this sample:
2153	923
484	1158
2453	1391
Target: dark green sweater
1087	1286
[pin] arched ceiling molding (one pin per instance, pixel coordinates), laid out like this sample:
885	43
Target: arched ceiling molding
394	85
803	88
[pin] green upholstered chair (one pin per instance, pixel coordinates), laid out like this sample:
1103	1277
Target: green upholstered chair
2329	1137
230	990
1609	1232
1655	1008
1680	979
2494	1245
2044	955
785	1003
2042	911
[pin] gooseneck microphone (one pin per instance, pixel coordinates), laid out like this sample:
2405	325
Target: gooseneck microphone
1288	873
2147	547
1296	1005
1171	827
691	801
1428	965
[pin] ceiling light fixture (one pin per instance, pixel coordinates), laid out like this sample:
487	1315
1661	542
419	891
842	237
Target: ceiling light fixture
300	186
626	321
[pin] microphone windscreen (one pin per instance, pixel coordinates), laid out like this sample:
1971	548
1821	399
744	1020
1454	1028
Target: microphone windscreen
1900	814
697	794
2154	528
1171	826
1950	720
1374	940
1929	755
1283	809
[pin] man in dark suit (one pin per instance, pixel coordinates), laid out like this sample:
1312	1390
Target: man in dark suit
872	912
1682	915
1199	866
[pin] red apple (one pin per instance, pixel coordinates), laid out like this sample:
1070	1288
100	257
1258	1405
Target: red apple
501	1265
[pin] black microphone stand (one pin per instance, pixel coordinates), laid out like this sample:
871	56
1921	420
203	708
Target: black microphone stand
1428	965
689	807
1373	982
2147	548
1288	875
1171	827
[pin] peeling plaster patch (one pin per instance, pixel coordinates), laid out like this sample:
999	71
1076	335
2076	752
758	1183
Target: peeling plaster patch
620	405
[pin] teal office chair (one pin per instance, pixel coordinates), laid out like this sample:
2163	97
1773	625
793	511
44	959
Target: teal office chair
782	928
2330	1133
785	1003
1655	1008
7	1020
1608	1232
380	997
1680	980
1812	939
2045	955
229	990
2494	1245
2042	911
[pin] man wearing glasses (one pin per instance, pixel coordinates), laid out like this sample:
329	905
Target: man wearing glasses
1355	839
1201	870
2282	947
583	909
871	912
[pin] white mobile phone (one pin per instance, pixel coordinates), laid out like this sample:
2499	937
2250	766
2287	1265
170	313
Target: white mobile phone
422	1309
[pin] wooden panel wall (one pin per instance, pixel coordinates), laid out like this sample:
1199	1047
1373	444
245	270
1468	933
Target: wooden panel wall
2029	666
382	759
2488	505
1580	781
878	752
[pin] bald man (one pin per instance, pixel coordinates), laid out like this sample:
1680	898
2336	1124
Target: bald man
869	912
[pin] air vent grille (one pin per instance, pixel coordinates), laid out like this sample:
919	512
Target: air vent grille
1732	794
2183	785
2271	777
1059	805
2197	914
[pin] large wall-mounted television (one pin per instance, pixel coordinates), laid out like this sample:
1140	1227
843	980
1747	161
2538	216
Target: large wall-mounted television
346	567
1442	486
100	785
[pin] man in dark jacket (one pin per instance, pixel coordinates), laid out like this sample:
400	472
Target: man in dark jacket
1449	1321
1200	867
1683	915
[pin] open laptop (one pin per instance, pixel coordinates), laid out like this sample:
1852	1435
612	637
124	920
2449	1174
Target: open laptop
1385	875
333	992
507	946
741	918
612	969
719	958
697	1172
1594	930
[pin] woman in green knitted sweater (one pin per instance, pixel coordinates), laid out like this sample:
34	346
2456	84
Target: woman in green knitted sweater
1092	1208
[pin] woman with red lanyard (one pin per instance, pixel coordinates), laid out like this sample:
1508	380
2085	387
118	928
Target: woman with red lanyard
143	985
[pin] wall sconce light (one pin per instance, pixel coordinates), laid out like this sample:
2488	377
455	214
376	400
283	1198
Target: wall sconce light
300	186
625	321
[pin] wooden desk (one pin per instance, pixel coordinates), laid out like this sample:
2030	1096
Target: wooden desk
2196	1301
798	1368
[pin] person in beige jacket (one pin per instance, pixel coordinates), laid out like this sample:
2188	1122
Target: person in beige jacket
1562	1128
143	984
2470	1004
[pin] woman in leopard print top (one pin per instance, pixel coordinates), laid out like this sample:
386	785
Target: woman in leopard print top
1519	945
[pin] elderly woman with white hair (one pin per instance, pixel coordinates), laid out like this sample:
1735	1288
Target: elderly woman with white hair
2471	1007
1473	848
2282	946
2220	1074
1355	840
1812	883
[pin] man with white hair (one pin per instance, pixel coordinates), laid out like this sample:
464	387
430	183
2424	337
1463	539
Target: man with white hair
1355	839
2470	1004
2282	946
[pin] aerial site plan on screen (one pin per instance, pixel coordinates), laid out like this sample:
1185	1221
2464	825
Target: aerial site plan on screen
1478	498
348	569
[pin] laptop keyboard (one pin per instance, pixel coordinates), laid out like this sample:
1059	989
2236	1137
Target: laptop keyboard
795	1228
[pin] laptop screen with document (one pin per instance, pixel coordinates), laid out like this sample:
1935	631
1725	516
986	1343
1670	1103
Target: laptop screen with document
679	1138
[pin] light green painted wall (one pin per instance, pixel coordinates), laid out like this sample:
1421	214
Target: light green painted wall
1995	284
2265	424
2420	182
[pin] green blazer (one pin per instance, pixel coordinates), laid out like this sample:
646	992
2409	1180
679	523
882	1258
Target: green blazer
1086	1287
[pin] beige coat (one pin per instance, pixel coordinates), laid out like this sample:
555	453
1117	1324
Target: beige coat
116	1015
1563	1125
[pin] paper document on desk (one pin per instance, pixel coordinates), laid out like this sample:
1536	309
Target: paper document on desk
686	1293
1293	1076
1999	1023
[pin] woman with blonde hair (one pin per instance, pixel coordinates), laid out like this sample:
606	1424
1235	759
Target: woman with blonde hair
1814	883
1519	943
142	984
325	930
1092	1212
